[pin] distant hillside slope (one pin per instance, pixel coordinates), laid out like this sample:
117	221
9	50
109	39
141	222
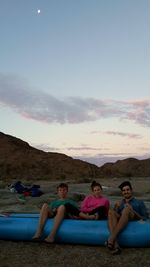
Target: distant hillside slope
130	167
18	160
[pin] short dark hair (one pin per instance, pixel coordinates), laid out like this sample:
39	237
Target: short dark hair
62	185
94	183
125	183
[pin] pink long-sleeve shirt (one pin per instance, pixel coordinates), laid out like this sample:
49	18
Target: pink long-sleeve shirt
91	202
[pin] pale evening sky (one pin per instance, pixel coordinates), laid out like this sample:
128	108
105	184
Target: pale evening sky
75	77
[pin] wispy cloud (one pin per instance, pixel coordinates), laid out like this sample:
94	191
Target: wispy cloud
40	106
45	147
81	148
99	158
122	134
84	148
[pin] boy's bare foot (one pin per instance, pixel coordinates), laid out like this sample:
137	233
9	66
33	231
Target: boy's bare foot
49	240
36	237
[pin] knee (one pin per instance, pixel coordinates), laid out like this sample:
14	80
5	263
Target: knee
61	209
126	211
111	213
45	207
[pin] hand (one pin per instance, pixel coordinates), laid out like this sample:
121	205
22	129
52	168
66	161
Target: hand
134	212
117	205
129	206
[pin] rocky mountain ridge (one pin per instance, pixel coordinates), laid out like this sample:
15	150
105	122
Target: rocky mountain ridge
19	160
130	167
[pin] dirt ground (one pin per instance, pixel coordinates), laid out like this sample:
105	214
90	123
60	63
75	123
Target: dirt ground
26	254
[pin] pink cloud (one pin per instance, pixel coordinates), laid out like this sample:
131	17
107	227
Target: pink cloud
37	105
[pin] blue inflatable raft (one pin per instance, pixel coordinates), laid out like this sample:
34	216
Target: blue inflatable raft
23	226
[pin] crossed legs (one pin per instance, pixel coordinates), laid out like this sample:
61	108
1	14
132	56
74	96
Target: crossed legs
116	223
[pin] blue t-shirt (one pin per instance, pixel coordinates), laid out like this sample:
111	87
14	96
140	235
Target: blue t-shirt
137	205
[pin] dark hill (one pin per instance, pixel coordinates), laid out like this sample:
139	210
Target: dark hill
129	167
18	160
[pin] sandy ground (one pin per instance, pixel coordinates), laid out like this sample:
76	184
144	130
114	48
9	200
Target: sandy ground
40	254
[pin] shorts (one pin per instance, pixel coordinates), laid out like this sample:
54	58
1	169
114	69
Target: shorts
71	210
102	213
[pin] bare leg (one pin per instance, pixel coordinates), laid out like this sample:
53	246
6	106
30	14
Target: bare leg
87	216
44	214
113	218
124	218
57	221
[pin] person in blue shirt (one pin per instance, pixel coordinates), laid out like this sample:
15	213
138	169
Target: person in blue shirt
129	208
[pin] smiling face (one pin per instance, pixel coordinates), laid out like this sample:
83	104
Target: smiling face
97	191
62	192
127	192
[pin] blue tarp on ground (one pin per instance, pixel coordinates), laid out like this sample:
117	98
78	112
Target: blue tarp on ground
20	188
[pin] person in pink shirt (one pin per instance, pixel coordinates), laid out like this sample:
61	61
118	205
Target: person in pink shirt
96	204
